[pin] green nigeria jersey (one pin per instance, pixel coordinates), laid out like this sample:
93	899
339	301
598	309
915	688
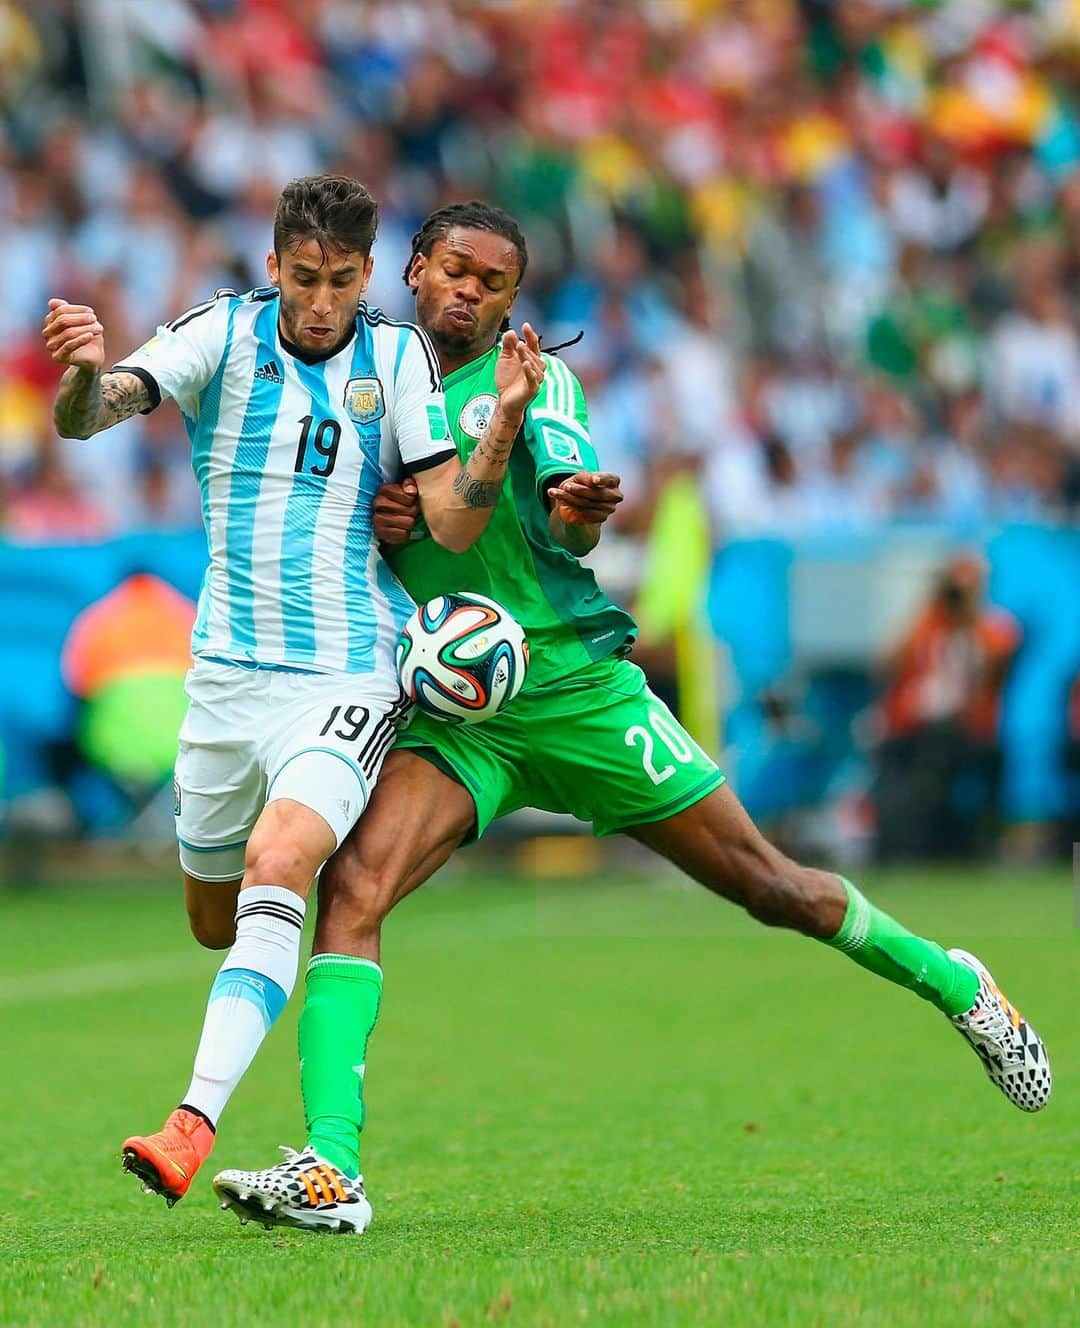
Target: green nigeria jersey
567	618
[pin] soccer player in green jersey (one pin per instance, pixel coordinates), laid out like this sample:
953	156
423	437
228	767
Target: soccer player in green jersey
585	736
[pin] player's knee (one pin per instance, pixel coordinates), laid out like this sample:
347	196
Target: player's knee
276	862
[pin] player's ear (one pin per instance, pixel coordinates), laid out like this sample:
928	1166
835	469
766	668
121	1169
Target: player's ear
513	297
418	264
369	266
272	269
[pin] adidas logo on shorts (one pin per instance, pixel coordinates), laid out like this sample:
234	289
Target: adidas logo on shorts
270	372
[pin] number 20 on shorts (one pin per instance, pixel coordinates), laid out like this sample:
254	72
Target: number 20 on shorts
662	728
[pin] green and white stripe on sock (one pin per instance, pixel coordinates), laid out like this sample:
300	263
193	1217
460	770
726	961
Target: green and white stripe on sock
877	942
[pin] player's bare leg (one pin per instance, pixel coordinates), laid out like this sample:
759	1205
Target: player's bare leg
287	845
211	910
717	843
416	818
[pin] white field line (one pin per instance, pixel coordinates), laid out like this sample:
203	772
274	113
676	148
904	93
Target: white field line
87	979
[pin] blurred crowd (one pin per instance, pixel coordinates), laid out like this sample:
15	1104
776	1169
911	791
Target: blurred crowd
826	254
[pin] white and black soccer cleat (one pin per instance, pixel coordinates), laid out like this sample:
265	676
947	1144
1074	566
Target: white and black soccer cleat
1014	1055
301	1191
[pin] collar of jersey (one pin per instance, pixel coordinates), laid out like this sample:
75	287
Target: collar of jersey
471	367
314	356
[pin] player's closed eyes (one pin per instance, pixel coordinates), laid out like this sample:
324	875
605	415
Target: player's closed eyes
492	284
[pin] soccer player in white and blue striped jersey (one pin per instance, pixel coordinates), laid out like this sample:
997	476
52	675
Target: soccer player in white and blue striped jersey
299	401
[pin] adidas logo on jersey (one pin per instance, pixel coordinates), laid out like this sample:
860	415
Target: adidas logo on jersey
270	372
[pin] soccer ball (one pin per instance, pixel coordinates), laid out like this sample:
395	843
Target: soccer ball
462	657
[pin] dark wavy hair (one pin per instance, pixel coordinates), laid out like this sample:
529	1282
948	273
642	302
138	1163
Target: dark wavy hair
334	210
473	215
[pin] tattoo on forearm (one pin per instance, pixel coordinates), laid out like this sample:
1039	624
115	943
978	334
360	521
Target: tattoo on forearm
89	402
494	455
477	493
123	395
78	404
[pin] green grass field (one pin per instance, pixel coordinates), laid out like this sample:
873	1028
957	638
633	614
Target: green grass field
587	1105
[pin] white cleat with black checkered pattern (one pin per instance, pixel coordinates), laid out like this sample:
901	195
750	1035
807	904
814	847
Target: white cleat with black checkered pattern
1014	1055
302	1191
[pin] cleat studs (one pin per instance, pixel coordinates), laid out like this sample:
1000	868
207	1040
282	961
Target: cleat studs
268	1226
224	1206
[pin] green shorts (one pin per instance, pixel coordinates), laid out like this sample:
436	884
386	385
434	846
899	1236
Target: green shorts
597	744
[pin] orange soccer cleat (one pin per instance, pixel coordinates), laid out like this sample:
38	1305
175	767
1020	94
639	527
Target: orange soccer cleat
166	1162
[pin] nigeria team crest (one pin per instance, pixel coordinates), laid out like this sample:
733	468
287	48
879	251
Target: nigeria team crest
476	414
364	400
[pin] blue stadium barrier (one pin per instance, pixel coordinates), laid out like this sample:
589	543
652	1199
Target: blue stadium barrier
1035	574
42	589
748	607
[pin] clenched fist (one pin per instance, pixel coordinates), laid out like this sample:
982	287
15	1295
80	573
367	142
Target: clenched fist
73	335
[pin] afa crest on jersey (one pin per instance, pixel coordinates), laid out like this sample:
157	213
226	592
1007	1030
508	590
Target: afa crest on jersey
476	414
364	400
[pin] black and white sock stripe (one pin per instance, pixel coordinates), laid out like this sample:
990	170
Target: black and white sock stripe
271	908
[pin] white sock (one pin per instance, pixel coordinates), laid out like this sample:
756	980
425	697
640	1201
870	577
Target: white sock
248	994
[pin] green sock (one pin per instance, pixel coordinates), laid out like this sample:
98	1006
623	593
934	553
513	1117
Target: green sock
340	1008
879	943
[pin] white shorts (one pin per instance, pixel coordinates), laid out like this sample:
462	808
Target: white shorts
251	736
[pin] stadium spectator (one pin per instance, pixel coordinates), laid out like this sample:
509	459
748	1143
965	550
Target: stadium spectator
47	506
788	205
825	173
125	658
938	755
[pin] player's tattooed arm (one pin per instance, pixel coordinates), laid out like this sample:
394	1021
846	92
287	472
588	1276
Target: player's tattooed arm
89	401
457	500
477	493
481	478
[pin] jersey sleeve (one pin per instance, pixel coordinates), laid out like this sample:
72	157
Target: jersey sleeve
557	431
182	356
420	425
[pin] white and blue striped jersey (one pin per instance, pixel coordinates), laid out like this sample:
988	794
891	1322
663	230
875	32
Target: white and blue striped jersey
289	450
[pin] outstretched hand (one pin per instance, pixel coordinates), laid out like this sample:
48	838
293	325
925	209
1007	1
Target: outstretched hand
73	335
519	369
587	498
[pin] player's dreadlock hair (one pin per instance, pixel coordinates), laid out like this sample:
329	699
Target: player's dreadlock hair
335	210
476	216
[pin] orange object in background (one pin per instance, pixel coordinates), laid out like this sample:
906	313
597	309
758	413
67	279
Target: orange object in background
952	663
143	626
